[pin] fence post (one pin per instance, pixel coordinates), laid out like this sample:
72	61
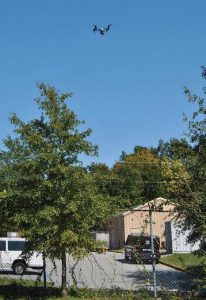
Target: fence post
44	269
153	255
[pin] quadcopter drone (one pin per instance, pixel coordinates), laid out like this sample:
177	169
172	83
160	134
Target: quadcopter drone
101	30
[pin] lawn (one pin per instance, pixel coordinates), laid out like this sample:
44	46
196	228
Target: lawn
184	261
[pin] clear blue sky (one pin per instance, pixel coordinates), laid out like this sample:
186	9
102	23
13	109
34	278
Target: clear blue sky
127	85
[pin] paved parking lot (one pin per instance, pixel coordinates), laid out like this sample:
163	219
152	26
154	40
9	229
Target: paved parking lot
110	270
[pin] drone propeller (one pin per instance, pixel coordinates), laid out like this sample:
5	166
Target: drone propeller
95	28
108	27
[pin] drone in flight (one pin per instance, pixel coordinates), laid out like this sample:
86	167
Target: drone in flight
101	30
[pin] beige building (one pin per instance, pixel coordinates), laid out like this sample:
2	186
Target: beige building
137	221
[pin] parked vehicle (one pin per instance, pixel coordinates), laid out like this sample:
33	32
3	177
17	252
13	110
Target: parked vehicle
138	248
11	257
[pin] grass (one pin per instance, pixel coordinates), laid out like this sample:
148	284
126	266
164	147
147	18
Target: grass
184	261
13	293
6	281
192	264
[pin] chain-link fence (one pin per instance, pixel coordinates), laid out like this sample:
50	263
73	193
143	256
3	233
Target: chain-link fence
154	255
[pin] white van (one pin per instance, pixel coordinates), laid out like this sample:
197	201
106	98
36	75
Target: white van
11	256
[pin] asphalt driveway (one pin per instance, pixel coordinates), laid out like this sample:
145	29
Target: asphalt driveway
110	270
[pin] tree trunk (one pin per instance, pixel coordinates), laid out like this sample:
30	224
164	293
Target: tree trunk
64	274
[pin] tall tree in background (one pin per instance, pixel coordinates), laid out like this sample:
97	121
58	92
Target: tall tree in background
145	174
175	157
175	149
175	177
148	173
138	177
53	200
194	198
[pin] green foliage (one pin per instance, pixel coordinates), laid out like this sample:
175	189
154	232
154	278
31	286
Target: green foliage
145	174
19	291
175	177
137	177
105	184
51	199
191	152
174	149
193	199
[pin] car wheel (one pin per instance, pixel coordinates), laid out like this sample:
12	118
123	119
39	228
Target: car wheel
19	268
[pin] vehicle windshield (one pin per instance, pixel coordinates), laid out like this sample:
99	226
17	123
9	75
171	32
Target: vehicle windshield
143	241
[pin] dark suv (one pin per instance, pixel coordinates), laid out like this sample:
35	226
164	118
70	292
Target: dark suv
138	248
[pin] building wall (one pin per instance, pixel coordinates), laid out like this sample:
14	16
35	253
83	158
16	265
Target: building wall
138	222
116	232
101	236
177	238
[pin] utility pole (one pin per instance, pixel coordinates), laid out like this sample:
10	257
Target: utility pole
153	254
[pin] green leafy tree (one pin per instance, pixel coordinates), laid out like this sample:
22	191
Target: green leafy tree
104	181
102	175
194	198
175	149
3	185
176	157
175	178
148	173
53	200
138	177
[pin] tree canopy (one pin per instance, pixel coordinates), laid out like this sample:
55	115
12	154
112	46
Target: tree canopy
193	199
51	199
